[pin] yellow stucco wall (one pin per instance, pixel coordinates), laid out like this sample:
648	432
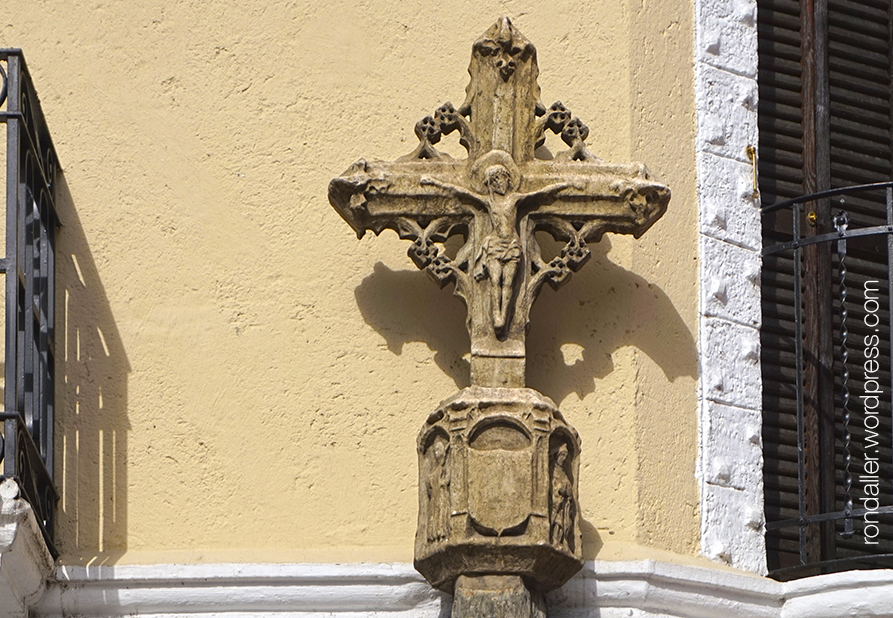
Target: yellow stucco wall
240	378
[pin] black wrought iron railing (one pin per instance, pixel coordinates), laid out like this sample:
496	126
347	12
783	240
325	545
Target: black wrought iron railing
26	443
828	386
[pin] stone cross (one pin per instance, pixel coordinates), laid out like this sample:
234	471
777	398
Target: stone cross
499	521
498	198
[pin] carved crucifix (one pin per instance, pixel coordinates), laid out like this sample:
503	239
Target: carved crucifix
499	521
498	198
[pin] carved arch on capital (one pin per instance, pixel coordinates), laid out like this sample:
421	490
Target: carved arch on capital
500	432
430	436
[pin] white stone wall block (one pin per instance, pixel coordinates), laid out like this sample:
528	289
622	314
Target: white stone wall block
728	210
729	378
727	36
727	121
730	294
745	12
732	445
729	44
732	528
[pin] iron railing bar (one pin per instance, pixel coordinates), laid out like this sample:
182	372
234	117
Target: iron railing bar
803	242
889	208
3	87
836	515
798	343
824	566
28	483
21	300
840	223
11	261
42	331
31	443
46	180
38	119
802	199
32	414
5	52
51	345
28	265
10	425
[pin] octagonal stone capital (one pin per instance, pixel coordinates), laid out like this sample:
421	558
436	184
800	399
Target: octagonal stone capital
498	476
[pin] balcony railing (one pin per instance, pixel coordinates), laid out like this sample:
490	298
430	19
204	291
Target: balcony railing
26	444
827	329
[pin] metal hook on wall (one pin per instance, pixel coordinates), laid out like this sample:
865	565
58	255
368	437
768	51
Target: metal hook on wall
752	156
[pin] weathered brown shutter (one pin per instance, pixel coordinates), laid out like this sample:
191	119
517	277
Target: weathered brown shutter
824	121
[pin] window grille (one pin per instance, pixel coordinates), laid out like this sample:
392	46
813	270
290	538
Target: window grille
26	444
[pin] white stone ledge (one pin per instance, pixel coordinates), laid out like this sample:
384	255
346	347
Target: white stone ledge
860	594
657	589
246	589
640	589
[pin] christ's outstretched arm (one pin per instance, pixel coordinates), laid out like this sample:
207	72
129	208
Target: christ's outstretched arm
546	195
476	199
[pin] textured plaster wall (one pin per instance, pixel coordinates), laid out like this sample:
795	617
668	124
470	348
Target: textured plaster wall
240	378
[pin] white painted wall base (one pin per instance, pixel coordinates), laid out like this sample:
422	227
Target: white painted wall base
641	589
25	562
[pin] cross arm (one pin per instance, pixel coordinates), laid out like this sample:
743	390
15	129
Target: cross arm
595	198
379	195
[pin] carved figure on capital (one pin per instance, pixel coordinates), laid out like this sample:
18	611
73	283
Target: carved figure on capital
437	488
562	505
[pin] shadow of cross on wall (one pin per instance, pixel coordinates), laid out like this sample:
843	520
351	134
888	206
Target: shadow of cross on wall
605	308
498	198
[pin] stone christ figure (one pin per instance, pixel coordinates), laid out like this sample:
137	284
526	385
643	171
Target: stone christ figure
500	252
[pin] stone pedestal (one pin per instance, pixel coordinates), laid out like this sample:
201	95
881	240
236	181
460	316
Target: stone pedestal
498	470
489	596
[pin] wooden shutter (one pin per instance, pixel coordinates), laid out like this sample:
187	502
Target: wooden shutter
824	121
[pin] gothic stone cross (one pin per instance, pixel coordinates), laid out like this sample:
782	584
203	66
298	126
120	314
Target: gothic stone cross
498	198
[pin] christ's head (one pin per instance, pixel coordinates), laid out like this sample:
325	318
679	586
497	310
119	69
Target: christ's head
498	179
